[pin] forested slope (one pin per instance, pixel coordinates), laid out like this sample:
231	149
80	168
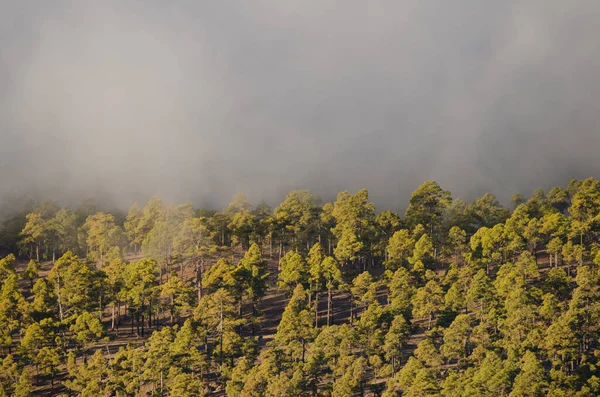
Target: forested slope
334	299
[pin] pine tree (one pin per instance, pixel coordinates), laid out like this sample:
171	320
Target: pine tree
427	205
457	338
480	293
401	289
47	360
256	271
294	271
353	379
24	385
428	301
295	330
32	271
332	276
395	340
457	239
87	330
87	378
125	372
185	349
530	380
363	290
399	249
157	359
74	284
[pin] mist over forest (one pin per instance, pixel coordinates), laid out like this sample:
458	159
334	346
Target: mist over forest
200	100
299	198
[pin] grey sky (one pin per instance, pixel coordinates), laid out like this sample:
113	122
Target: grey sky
196	100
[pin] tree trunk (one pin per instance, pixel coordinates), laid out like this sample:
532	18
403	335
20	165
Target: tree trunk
112	325
60	309
253	328
317	309
303	349
199	279
118	315
280	248
157	316
172	308
329	306
221	338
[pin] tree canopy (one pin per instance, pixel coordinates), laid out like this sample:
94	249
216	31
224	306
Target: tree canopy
454	298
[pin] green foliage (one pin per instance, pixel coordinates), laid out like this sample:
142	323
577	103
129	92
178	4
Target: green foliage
353	379
87	329
428	301
401	290
132	222
24	385
242	225
101	234
32	271
294	271
427	205
480	293
363	288
87	378
530	380
457	337
13	309
254	272
399	250
295	330
355	217
488	212
33	232
395	340
239	203
178	296
32	341
74	283
423	252
453	300
296	219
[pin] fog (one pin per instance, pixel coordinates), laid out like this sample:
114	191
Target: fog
197	100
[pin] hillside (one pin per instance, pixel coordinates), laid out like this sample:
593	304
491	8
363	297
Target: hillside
450	299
